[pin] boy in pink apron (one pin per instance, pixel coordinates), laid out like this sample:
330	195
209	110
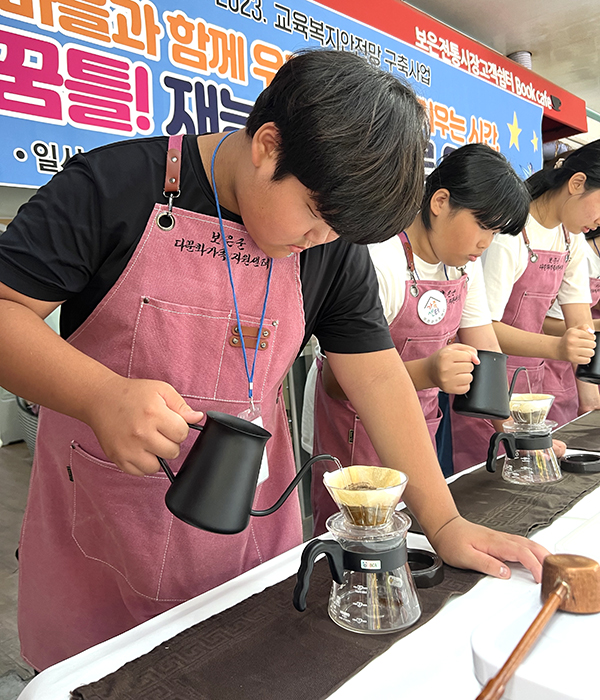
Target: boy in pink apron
138	237
523	276
431	288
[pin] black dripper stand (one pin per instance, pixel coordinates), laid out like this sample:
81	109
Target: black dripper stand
373	589
527	437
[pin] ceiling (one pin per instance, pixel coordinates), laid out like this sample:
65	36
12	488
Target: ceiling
562	35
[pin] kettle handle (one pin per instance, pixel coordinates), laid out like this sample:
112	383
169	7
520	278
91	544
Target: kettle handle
335	556
163	462
292	486
509	442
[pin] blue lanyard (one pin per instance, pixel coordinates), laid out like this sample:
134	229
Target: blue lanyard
596	247
249	374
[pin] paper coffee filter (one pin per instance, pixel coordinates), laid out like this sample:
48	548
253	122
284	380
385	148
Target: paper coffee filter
530	409
386	486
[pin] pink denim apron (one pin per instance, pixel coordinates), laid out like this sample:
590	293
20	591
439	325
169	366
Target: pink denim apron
595	291
559	378
338	429
531	297
100	552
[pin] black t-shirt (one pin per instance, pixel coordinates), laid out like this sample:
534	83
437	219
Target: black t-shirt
75	236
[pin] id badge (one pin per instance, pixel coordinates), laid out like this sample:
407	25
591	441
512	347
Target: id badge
263	474
253	415
432	307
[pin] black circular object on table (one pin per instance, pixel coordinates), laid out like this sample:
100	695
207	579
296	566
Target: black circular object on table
581	463
427	568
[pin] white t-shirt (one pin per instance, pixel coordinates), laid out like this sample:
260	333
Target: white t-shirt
391	266
593	262
506	260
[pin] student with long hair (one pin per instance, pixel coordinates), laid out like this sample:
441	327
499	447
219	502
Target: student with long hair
524	275
559	377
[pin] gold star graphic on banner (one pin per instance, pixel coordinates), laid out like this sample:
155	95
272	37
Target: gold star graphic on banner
514	132
534	141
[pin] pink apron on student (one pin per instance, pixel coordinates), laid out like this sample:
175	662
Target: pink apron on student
595	291
531	297
338	429
559	378
100	552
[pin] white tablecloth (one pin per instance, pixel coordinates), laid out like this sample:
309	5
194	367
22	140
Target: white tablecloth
433	662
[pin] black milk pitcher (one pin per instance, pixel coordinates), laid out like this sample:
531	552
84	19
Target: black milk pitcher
488	395
215	486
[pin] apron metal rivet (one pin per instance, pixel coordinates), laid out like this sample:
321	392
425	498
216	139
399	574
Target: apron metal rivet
171	180
265	333
275	323
165	221
174	159
235	329
263	345
145	300
235	341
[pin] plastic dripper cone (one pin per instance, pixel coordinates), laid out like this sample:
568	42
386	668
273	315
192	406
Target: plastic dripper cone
530	409
366	496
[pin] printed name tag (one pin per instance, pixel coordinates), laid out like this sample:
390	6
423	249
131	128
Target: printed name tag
432	307
263	474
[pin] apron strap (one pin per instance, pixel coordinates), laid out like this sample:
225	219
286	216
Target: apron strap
532	255
173	169
410	261
567	236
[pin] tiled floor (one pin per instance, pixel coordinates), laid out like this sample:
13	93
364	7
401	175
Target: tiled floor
15	466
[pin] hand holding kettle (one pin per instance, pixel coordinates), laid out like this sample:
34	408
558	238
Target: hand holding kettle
576	345
451	367
137	419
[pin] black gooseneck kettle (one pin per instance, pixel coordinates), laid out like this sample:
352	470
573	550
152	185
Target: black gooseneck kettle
488	395
215	486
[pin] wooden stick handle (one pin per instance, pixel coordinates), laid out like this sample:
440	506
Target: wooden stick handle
496	685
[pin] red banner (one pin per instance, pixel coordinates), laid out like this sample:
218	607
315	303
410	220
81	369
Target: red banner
564	113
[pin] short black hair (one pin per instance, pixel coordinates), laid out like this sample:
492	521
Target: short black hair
353	135
480	179
581	160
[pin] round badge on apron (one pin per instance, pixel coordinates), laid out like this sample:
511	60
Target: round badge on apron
432	307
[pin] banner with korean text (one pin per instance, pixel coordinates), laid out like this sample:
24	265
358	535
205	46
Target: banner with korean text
77	74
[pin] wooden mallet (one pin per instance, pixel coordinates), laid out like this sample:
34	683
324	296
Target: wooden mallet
570	583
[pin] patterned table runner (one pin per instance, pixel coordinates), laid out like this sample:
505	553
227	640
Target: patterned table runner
263	649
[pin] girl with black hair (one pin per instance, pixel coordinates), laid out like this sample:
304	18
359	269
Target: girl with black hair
559	377
432	291
525	274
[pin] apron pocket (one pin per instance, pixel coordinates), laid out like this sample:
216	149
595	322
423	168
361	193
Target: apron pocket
121	520
418	348
529	305
190	347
